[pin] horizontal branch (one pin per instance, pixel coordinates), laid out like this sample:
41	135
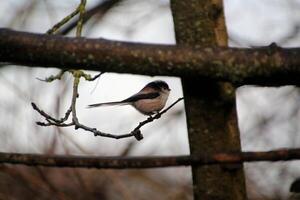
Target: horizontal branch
262	66
148	162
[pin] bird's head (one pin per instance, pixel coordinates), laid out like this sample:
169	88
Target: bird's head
159	85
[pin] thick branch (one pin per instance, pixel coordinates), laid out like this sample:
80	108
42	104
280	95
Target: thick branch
147	162
262	66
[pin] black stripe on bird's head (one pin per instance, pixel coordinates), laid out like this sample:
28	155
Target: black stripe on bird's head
158	85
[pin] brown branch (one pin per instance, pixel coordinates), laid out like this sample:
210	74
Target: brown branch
50	118
264	66
77	74
148	162
136	132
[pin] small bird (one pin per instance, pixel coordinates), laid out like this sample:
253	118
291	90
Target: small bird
149	100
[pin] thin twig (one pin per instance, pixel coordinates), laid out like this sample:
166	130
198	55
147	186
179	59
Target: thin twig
95	77
63	21
134	133
101	9
48	117
81	15
53	77
77	74
49	123
73	103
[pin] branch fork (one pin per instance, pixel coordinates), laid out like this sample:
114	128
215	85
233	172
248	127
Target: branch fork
136	132
77	74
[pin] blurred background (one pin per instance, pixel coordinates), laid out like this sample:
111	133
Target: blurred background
268	117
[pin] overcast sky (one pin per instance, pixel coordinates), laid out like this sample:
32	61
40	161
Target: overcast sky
249	23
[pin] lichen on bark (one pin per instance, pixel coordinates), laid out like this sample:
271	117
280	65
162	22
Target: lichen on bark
210	106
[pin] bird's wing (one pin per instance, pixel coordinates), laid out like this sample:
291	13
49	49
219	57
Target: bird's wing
140	96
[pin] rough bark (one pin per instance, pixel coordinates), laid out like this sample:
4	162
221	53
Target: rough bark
210	107
120	162
264	66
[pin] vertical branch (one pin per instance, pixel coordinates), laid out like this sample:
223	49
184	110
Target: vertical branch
81	16
77	73
210	106
74	98
219	20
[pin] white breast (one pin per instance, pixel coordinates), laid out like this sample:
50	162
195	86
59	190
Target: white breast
150	106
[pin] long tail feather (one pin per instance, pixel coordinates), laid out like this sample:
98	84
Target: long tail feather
119	103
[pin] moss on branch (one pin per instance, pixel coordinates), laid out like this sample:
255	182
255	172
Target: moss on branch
262	66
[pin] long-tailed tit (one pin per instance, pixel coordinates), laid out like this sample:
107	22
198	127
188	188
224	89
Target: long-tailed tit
149	100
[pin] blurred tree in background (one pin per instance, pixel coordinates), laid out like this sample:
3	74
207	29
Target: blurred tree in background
268	117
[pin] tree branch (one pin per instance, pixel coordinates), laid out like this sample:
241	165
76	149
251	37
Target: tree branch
136	132
263	66
147	162
100	9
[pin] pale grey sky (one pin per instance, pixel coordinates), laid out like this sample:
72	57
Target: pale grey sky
249	22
